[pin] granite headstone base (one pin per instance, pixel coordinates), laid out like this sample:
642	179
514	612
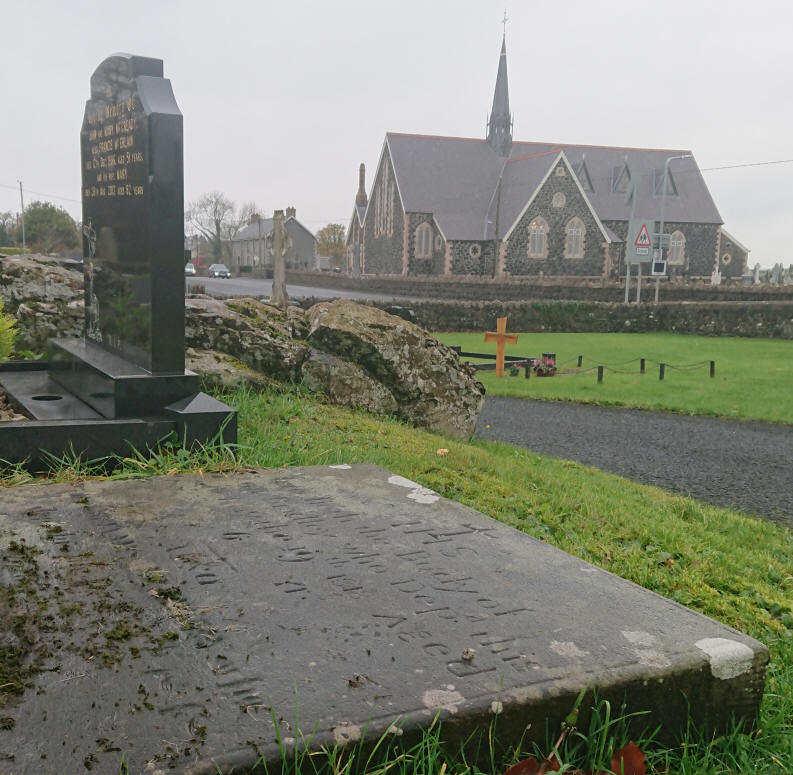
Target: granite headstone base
188	622
94	404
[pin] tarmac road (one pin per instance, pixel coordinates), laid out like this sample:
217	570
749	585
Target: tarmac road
239	286
744	465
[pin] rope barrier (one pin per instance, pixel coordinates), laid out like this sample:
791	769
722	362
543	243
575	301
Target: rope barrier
600	368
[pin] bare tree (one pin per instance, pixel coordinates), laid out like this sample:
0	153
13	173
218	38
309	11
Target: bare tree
212	215
216	218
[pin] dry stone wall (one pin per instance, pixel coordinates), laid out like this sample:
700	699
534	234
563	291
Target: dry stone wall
760	319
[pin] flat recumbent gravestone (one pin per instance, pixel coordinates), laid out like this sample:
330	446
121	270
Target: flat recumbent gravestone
187	613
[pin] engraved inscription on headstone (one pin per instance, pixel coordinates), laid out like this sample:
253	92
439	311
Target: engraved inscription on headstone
133	202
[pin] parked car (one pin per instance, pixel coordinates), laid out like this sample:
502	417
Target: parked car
218	270
189	270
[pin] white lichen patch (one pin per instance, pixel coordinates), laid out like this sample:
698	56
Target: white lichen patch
346	733
652	658
566	648
446	699
728	658
644	648
417	492
341	467
639	638
496	707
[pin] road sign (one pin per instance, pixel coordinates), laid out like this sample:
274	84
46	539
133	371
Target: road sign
643	238
638	241
659	269
660	240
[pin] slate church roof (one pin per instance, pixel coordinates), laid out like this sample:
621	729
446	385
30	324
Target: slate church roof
457	179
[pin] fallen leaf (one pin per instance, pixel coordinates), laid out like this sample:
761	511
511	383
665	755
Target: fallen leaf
629	760
441	452
293	419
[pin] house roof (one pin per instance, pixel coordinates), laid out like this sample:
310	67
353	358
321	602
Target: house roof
262	228
456	179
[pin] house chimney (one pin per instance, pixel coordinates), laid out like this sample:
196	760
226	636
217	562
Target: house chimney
254	218
290	212
360	198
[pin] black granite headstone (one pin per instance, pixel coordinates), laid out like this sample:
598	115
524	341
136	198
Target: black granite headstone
133	205
123	385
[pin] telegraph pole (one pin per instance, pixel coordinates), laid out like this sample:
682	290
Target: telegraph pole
22	202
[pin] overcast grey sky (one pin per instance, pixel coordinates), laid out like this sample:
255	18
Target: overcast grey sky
282	101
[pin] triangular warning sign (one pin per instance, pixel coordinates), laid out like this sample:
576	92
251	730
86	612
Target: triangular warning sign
643	240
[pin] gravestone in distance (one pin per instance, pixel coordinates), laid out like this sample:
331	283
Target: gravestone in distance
133	205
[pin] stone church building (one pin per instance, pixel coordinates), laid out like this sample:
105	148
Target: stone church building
496	207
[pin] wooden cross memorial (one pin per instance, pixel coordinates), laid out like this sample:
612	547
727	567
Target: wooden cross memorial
500	337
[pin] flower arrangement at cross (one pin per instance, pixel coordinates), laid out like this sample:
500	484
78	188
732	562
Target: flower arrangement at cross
545	366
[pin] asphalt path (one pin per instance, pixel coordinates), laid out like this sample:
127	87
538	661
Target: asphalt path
743	465
244	286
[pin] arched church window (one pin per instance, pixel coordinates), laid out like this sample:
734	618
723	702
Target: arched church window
423	238
677	249
559	200
384	204
574	238
538	238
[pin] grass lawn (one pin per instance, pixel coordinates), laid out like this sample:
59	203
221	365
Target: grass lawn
728	566
754	377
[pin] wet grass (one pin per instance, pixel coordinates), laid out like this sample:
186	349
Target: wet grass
716	561
753	376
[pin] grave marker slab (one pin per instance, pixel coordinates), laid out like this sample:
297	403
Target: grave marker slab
122	385
133	206
187	608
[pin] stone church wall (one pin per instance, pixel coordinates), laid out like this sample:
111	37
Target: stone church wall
383	253
517	249
473	258
425	266
701	245
732	257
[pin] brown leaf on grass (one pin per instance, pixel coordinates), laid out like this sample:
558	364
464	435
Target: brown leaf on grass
629	760
441	452
531	766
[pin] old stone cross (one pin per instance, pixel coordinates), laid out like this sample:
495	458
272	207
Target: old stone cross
500	337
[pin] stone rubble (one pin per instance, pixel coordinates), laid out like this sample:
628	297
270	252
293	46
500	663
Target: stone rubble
356	355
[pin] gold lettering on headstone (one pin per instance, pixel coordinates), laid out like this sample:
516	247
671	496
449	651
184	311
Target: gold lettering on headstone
111	139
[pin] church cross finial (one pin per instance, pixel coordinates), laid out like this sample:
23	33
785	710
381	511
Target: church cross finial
504	22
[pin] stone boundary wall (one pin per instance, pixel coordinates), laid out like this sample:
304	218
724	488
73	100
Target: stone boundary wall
759	319
578	289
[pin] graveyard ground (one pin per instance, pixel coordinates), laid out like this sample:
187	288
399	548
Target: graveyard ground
752	378
714	560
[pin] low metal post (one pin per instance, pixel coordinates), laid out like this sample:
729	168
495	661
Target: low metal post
600	374
661	368
527	375
713	368
580	360
641	365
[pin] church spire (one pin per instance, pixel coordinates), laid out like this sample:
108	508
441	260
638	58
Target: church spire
499	124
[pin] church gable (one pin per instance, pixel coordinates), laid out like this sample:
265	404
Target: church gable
384	223
558	232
